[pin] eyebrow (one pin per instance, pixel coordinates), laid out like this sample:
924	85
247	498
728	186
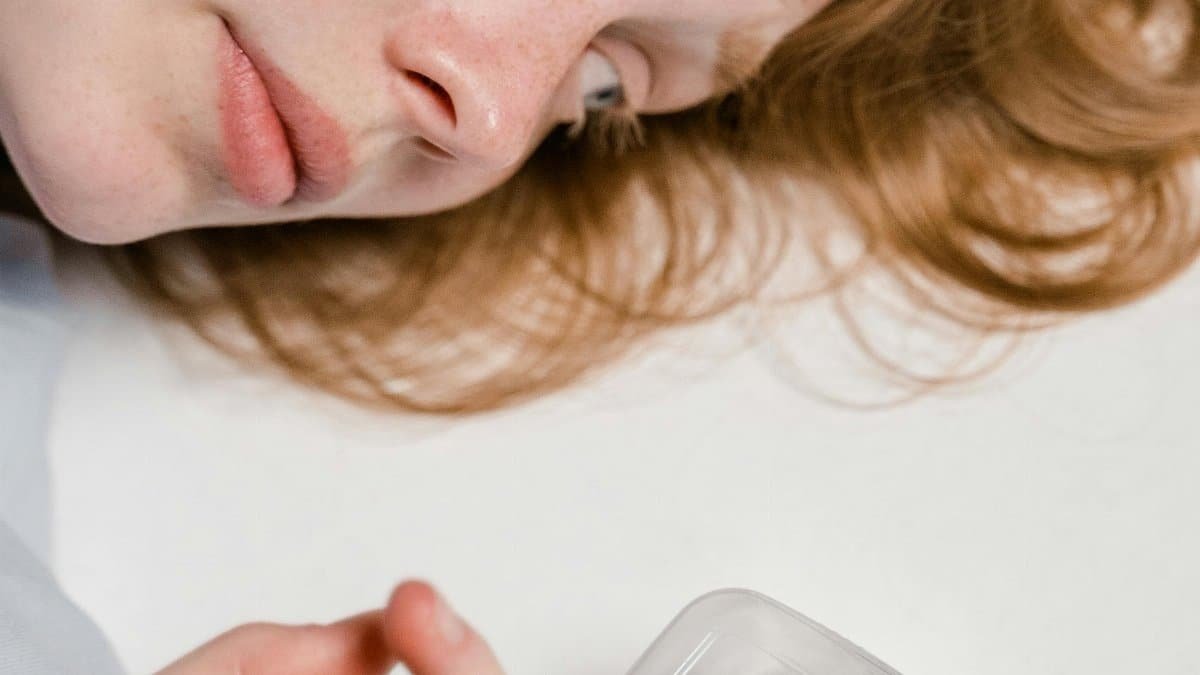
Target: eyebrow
741	55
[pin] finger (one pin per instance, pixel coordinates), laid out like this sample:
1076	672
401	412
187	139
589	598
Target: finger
353	646
357	645
430	639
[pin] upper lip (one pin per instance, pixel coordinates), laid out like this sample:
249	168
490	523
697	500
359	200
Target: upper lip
317	141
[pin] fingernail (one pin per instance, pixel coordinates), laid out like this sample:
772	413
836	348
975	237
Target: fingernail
451	627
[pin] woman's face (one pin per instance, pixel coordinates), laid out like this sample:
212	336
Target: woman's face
130	118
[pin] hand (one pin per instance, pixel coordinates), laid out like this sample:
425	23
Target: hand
416	629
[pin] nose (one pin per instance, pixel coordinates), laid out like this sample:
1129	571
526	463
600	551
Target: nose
478	80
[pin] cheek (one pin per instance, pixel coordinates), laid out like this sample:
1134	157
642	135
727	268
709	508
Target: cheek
98	176
418	185
423	186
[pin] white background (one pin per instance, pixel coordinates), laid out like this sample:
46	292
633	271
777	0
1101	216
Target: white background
1046	523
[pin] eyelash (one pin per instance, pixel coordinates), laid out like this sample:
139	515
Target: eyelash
610	131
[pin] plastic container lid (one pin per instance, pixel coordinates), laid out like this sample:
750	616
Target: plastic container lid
739	632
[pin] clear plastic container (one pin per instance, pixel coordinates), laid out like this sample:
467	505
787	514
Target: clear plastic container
738	632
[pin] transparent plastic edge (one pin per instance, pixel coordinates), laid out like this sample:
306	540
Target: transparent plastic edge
698	608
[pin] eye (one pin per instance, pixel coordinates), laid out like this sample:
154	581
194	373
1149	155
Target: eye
600	83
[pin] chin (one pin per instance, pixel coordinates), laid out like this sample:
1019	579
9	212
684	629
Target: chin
107	219
112	227
105	201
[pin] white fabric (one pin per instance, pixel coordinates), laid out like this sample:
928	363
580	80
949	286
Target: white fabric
1044	522
42	632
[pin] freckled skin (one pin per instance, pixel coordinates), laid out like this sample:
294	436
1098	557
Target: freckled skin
120	135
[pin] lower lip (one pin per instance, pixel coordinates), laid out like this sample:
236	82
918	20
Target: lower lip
279	146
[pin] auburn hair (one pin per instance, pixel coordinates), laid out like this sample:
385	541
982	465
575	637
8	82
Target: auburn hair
1002	163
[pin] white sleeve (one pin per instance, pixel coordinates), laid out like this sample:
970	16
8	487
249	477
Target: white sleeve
42	632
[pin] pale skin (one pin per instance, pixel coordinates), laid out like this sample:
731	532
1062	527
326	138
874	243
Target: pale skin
121	134
416	628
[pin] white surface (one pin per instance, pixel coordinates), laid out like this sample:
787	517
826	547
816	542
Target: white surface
1046	524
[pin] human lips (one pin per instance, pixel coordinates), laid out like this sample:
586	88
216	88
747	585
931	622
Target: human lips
279	145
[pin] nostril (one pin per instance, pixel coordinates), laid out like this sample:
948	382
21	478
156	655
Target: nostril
438	92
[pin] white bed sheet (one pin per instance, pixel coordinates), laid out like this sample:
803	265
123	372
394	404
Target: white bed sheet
1047	523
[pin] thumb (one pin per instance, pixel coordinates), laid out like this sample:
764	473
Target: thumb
428	637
